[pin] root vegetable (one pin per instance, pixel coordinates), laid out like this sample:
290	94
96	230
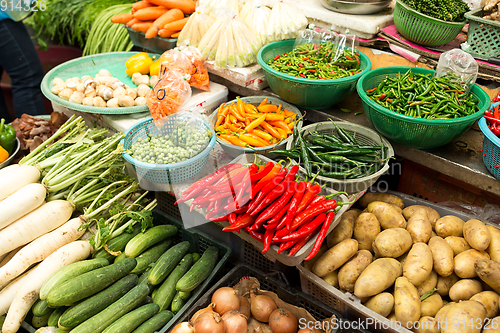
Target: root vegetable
283	321
7	294
98	101
225	299
112	103
125	101
14	180
140	101
261	307
77	97
22	202
66	93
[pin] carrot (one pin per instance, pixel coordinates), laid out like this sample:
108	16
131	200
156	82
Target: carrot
173	27
170	16
141	4
122	18
132	22
150	13
176	35
187	6
142	26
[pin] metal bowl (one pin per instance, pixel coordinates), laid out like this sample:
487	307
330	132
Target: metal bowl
358	7
11	157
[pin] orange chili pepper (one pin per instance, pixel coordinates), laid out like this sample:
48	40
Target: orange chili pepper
291	125
271	130
240	106
262	134
251	140
256	137
234	127
290	114
282	125
220	119
282	133
234	140
279	109
264	102
255	123
225	140
220	128
250	108
233	119
267	108
274	117
235	113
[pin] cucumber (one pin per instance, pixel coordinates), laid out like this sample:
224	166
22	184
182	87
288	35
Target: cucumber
132	320
149	238
103	319
167	262
166	292
196	257
200	270
154	293
184	295
70	271
40	308
120	257
177	303
89	283
147	300
91	306
155	323
41	321
56	314
117	244
150	256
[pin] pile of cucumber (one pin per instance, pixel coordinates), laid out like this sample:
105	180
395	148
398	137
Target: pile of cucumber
138	291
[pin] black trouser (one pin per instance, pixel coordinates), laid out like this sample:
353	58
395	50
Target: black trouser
19	59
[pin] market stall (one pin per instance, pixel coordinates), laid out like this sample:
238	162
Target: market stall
254	167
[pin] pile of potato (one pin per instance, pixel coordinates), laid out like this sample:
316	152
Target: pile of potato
415	267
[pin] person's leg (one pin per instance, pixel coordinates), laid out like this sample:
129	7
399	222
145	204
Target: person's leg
4	112
19	59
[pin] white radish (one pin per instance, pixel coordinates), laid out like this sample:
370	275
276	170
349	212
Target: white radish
7	294
9	168
41	248
37	223
9	256
27	295
12	181
24	201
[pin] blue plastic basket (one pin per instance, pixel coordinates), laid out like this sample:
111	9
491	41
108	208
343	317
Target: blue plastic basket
166	173
491	148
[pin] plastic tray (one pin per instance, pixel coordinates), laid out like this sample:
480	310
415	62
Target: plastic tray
365	136
348	304
483	35
318	310
155	44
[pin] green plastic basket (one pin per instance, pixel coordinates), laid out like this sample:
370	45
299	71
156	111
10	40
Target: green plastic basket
309	93
411	131
423	29
483	35
114	62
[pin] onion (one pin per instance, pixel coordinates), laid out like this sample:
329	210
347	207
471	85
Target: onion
209	322
283	321
309	330
225	300
244	307
234	322
261	307
210	307
183	327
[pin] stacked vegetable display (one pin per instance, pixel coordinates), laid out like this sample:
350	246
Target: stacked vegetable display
413	266
267	202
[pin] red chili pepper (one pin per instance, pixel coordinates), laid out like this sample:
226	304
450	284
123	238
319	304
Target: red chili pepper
271	226
261	174
371	90
219	196
286	245
357	59
277	57
241	210
492	119
496	113
278	205
301	65
266	179
311	191
312	71
315	46
321	236
268	236
302	75
294	204
311	61
245	184
219	219
266	189
304	230
232	179
306	58
242	222
201	184
317	200
300	244
276	218
232	218
349	58
256	235
313	211
210	206
489	114
384	95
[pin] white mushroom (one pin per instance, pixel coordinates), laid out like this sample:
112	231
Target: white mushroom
58	82
119	92
98	101
104	72
100	88
77	97
112	103
110	81
98	79
80	87
91	93
57	88
106	93
89	101
131	92
117	85
85	78
89	83
143	80
153	80
136	77
142	90
125	101
71	83
66	93
76	78
140	101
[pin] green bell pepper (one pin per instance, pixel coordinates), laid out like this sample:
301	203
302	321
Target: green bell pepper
7	137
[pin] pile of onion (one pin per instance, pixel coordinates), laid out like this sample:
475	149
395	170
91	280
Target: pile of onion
261	307
225	299
209	322
283	321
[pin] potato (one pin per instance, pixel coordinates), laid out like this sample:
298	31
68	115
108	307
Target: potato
419	226
392	317
449	225
310	263
477	235
492	326
489	272
407	304
442	255
441	314
387	215
335	257
494	247
366	229
349	273
392	243
464	289
431	305
490	301
382	303
427	325
418	265
458	244
433	234
332	278
344	229
444	284
377	277
464	263
428	284
369	197
431	213
465	317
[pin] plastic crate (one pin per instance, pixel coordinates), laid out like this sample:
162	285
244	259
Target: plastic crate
286	293
199	243
349	305
483	35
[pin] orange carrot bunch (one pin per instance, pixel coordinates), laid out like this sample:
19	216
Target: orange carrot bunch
244	124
